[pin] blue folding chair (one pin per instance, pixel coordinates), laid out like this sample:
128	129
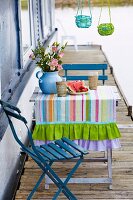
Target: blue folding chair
46	155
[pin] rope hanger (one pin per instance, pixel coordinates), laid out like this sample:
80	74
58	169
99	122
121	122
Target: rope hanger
105	29
83	21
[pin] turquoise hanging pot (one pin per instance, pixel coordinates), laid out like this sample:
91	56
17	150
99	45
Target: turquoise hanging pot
83	21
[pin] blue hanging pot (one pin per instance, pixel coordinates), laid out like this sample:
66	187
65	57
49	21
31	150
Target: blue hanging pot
47	82
83	21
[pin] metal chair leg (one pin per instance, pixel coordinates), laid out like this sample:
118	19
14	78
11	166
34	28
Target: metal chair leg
36	186
60	184
68	177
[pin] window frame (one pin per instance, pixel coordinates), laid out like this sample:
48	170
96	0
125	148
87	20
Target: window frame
45	18
26	54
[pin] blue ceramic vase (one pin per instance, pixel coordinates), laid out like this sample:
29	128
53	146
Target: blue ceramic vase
47	82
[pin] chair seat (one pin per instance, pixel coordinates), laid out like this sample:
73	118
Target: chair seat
61	150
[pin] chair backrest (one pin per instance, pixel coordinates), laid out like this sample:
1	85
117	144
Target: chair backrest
14	112
81	67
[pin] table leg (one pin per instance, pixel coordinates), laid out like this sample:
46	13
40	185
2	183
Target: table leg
109	159
91	180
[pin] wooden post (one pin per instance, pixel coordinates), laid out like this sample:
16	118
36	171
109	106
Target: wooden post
111	70
129	110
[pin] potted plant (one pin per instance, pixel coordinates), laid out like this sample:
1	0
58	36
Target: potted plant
50	61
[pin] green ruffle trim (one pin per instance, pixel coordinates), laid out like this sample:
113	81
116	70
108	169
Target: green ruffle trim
93	132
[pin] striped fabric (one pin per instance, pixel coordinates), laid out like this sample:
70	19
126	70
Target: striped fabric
96	106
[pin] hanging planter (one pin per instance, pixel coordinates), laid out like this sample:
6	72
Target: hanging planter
105	29
83	21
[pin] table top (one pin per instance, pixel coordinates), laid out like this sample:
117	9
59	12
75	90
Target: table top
113	90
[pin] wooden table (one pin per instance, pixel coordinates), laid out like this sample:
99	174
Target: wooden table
88	119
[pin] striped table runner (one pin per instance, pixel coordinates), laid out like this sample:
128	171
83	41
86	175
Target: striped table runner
96	106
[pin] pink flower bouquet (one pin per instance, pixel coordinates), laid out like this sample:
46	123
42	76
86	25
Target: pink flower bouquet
48	60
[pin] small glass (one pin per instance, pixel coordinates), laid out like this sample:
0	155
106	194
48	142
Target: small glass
61	88
93	80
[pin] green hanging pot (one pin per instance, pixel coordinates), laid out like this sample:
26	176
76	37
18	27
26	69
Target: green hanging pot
105	29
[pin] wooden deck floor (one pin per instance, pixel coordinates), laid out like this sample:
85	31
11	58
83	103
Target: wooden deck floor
122	168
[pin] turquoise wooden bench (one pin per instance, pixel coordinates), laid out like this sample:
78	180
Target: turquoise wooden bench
45	155
82	67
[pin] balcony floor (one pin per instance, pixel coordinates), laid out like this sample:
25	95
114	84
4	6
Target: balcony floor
122	161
